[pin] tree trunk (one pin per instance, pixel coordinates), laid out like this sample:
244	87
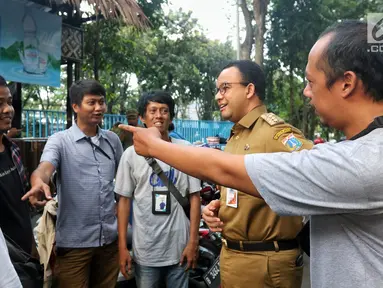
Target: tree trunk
124	94
247	45
291	97
96	59
260	10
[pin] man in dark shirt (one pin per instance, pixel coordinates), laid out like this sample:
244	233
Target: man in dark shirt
15	219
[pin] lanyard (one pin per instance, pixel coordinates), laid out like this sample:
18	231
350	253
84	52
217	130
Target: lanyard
96	147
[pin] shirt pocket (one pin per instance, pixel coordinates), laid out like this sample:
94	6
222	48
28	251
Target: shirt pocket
107	169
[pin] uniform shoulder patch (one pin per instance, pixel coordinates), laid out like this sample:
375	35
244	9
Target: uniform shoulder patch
292	142
272	119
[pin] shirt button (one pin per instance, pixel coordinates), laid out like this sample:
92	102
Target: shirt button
236	137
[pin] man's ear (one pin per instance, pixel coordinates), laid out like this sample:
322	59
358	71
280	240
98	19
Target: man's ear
142	121
250	90
75	107
349	84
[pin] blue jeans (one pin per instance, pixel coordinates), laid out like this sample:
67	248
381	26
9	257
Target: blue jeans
154	277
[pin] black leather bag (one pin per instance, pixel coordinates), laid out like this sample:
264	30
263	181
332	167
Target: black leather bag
29	269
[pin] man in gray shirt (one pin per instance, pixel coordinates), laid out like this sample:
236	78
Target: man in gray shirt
339	185
8	276
165	242
86	158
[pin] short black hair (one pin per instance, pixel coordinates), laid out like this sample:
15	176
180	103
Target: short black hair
251	73
157	96
83	87
348	50
3	82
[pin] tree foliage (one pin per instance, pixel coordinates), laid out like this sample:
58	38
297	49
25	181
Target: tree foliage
294	28
176	57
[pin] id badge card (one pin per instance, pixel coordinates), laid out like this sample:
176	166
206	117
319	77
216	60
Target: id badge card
231	198
161	202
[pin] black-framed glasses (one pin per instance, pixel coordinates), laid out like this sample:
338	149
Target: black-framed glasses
222	89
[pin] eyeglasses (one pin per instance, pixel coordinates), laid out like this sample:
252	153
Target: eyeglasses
225	86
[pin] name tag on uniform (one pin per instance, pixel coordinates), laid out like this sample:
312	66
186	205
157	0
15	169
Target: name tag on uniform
231	198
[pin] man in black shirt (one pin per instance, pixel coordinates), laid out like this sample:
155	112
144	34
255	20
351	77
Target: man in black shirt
15	219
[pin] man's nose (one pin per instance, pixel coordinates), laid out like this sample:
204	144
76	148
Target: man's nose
100	106
218	96
158	114
307	91
8	109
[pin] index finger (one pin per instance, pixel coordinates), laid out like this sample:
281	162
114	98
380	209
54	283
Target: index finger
194	264
127	127
33	192
189	264
123	271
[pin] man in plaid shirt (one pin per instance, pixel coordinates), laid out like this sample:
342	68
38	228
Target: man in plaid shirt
14	213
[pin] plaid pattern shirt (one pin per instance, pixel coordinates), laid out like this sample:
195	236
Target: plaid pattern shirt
16	157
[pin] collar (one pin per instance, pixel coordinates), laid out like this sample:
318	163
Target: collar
6	141
78	134
250	118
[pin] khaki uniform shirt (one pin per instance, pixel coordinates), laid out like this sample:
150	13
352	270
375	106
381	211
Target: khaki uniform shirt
253	220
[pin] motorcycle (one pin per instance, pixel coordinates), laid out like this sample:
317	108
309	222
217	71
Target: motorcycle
206	274
210	245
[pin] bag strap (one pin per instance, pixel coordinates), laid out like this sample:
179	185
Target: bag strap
172	189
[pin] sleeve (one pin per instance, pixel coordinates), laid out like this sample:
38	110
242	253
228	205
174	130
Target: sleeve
125	182
119	149
194	185
52	150
8	276
324	180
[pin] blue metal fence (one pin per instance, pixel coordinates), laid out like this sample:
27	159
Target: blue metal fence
39	124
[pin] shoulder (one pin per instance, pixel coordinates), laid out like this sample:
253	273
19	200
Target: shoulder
111	135
180	142
130	155
273	126
130	151
280	135
59	137
271	119
60	134
12	146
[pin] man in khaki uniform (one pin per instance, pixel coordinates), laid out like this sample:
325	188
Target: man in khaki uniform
260	249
